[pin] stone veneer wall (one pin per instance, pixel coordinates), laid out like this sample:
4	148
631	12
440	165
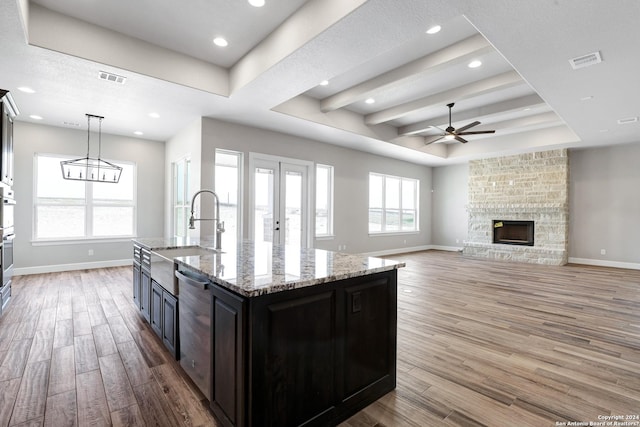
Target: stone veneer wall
531	186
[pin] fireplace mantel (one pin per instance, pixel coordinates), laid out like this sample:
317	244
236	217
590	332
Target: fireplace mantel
518	208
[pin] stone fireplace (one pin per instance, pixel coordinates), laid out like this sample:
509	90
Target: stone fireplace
522	189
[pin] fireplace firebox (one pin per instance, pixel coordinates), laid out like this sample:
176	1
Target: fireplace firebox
513	232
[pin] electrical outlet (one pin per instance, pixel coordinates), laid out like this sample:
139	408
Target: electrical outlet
603	251
90	252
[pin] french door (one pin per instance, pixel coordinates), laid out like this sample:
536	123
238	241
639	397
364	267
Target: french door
280	200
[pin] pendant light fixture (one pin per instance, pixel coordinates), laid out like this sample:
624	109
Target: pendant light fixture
90	168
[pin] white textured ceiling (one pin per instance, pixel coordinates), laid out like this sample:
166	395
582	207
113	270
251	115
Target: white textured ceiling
268	75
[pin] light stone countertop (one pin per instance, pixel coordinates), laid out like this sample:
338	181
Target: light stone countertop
252	269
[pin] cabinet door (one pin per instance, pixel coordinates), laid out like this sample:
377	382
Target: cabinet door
294	357
4	134
156	308
145	295
370	335
170	322
136	284
228	356
8	176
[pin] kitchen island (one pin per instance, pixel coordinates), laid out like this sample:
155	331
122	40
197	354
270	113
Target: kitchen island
296	336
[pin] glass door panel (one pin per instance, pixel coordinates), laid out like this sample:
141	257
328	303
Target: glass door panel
263	198
280	202
293	208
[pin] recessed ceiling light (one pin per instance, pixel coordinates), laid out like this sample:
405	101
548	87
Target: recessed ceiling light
35	117
71	124
256	3
474	64
138	133
604	130
26	89
435	29
586	98
220	41
154	115
324	82
370	100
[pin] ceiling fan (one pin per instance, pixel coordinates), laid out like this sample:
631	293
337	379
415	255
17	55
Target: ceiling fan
452	133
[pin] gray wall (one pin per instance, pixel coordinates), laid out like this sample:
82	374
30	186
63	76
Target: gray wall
604	203
33	138
351	173
450	218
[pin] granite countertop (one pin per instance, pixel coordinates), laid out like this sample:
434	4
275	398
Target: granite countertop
254	268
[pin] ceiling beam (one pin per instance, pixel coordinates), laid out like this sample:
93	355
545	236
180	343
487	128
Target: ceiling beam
520	124
479	113
456	53
480	87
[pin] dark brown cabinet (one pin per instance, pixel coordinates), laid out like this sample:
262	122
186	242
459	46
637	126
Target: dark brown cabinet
156	308
228	356
310	356
9	112
164	316
136	274
170	322
145	295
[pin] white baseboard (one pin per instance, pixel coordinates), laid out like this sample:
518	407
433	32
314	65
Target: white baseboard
71	267
446	248
414	249
605	263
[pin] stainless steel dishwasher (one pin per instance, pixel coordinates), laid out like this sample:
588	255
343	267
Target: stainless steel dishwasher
195	328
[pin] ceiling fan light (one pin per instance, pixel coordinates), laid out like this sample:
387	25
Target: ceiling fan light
449	137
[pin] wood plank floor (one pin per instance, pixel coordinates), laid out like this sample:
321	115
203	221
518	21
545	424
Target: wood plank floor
479	343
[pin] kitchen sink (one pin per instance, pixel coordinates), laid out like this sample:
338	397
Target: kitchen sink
170	254
162	265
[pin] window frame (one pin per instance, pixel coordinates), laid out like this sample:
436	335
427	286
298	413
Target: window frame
88	203
329	202
240	184
174	194
401	210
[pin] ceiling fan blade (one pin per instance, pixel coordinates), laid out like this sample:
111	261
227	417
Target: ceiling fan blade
470	125
477	132
460	139
434	140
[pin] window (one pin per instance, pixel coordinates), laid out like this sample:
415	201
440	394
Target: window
66	209
324	200
181	202
228	176
393	204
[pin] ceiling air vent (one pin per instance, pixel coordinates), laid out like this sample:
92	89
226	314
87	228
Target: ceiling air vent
627	120
112	77
586	60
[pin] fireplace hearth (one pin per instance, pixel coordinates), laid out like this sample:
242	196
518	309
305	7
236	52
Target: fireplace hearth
513	232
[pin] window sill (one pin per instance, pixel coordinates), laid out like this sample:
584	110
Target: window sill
325	237
393	233
81	241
